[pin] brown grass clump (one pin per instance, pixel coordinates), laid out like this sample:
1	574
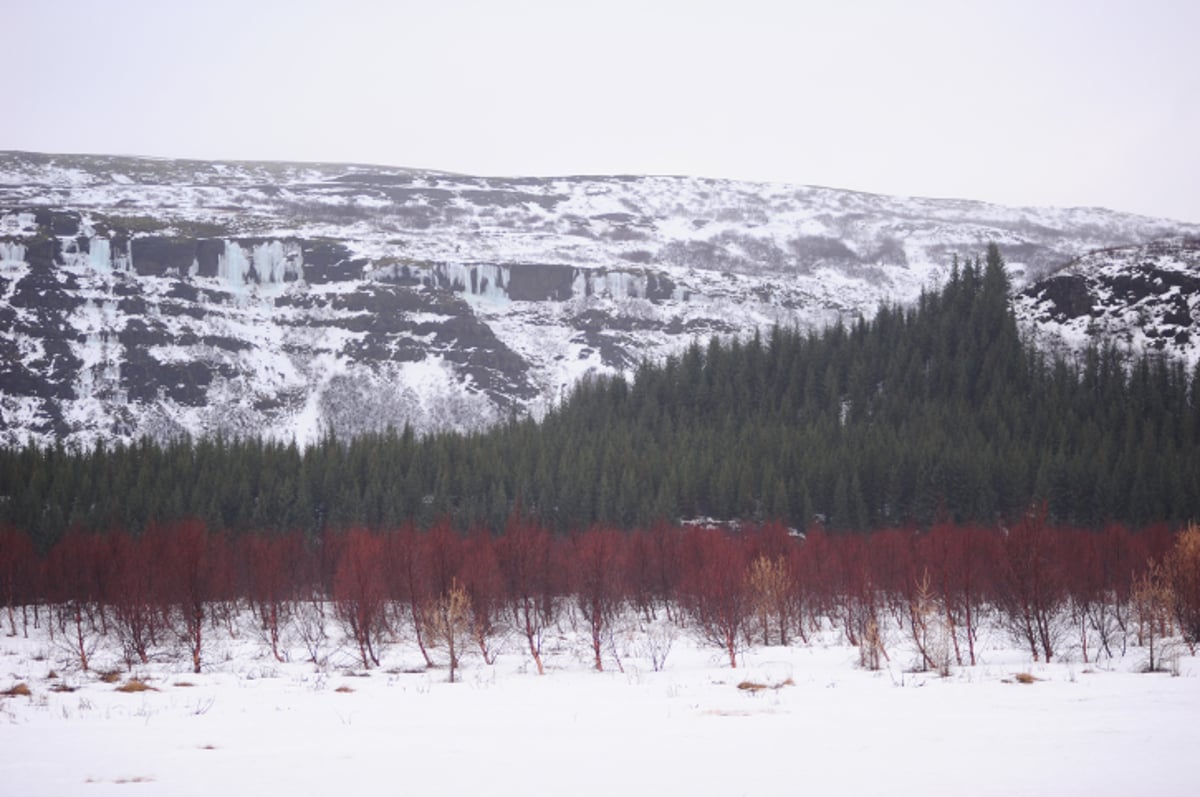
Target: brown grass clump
60	688
183	684
1022	678
345	690
754	686
109	676
135	685
18	690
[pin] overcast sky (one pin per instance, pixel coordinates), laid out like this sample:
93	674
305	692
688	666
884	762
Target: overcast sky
1030	103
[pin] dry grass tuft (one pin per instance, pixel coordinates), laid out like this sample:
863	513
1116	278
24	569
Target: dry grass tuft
18	690
1021	678
345	690
754	686
183	684
109	676
61	688
135	685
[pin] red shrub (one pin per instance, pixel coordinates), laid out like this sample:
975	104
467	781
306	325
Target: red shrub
195	574
273	567
713	587
360	592
484	584
1031	587
18	565
597	578
408	579
75	571
133	600
526	565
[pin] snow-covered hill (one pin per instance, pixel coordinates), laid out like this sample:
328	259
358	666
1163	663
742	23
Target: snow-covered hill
1140	298
145	296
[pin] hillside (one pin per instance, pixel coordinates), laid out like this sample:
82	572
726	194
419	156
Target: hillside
1138	298
156	297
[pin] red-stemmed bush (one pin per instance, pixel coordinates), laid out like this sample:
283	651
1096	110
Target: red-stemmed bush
76	574
1032	590
360	592
958	560
18	564
482	580
137	615
273	566
194	579
713	587
597	579
526	565
408	580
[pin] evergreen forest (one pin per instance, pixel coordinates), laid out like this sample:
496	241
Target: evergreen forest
933	412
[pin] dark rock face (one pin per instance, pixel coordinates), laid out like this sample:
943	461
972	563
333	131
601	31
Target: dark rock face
659	287
57	222
330	262
382	317
540	282
40	307
1066	296
158	257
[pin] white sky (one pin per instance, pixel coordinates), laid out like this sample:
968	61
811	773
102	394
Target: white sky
1031	103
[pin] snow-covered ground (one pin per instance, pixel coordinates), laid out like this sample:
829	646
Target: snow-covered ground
823	725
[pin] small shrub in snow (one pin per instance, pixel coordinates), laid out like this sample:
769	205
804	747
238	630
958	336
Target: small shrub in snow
657	638
109	676
1153	599
135	685
448	622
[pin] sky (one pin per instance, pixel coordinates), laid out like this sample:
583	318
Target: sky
1070	103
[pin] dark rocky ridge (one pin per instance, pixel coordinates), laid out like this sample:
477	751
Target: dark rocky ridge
1144	297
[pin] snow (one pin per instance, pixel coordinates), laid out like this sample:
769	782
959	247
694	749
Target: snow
251	725
482	282
11	253
17	224
308	423
270	263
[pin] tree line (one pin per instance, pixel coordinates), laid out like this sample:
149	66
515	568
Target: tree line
938	410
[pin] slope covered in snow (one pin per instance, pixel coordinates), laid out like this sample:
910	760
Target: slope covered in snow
156	297
1138	298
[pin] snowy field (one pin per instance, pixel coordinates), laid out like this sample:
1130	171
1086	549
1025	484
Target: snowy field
820	725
